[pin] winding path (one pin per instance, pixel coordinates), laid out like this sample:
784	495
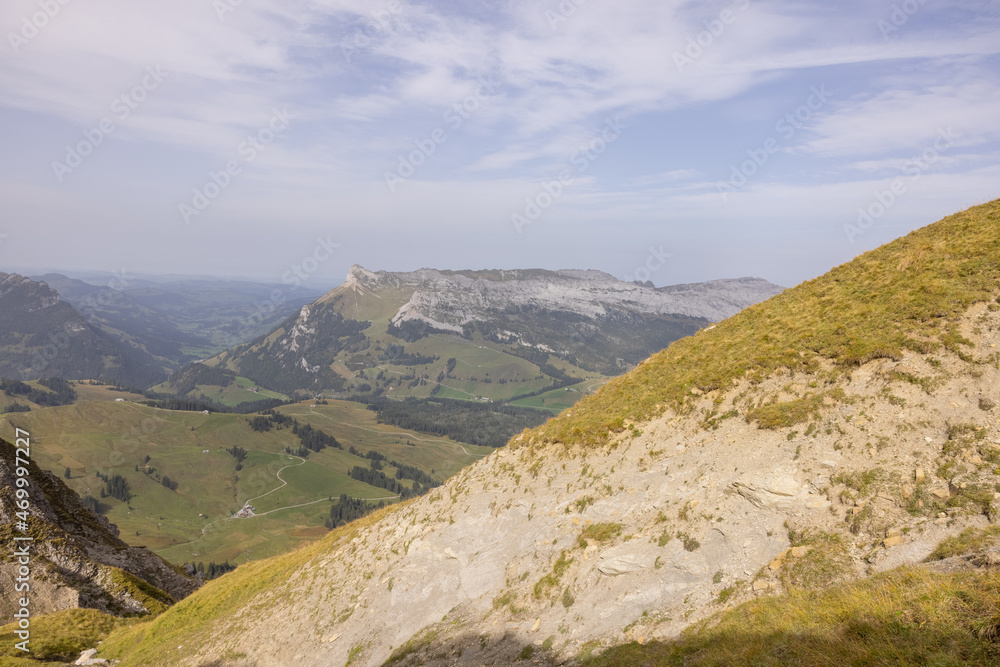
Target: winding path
284	483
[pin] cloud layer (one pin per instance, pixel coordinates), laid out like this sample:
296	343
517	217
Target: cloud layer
477	134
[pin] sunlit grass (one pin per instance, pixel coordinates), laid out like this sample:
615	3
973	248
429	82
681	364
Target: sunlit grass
905	617
192	620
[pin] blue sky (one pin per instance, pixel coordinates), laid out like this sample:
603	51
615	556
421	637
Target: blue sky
674	141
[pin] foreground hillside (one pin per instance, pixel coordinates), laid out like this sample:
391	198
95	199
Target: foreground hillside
843	429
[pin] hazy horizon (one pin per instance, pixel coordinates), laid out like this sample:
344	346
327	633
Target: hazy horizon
669	141
315	283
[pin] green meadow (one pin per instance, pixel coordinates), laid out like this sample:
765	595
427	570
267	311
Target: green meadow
242	390
194	522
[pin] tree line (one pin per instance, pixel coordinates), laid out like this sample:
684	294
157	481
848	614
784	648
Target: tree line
311	439
169	402
211	571
348	509
62	392
397	355
115	486
487	424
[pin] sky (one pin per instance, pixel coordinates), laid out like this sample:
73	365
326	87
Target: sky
653	139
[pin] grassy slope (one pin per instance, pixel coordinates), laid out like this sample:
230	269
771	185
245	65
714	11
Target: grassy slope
904	294
236	393
115	437
58	637
354	424
904	617
477	358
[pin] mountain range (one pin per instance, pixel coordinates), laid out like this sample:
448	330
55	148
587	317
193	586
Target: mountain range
844	428
489	334
177	320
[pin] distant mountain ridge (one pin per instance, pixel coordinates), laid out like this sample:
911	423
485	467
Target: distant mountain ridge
394	332
585	292
180	320
43	336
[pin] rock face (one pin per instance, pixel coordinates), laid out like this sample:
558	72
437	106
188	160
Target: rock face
451	299
76	557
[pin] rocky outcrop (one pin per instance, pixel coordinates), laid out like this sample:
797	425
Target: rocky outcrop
76	557
455	298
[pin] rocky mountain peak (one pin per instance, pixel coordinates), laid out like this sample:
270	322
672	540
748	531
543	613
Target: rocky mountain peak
33	296
454	298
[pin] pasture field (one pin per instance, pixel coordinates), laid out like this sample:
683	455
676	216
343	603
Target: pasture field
194	521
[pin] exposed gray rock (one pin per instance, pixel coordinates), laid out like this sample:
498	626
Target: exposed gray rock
626	558
447	300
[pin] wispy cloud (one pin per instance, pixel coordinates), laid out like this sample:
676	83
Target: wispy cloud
699	84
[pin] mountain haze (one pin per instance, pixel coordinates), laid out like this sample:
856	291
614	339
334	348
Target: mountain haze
43	336
843	428
180	320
